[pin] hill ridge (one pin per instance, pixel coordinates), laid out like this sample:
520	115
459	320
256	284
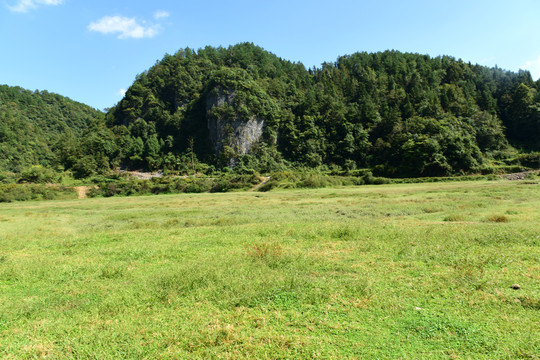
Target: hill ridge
400	114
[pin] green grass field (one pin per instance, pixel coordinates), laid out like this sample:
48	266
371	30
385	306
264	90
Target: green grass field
412	271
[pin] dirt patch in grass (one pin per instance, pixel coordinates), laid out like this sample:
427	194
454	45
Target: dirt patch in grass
82	191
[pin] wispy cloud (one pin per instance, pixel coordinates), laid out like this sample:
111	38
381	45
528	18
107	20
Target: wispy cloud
122	92
123	26
534	67
161	14
27	5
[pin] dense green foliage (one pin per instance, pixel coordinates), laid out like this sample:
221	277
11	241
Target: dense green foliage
402	114
169	185
36	126
232	182
15	192
399	114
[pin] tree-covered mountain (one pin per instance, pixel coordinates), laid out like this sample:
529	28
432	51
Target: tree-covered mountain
34	126
400	114
405	114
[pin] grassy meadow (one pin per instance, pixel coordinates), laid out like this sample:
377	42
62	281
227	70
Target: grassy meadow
411	271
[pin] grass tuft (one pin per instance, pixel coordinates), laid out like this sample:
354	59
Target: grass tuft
268	252
454	217
498	218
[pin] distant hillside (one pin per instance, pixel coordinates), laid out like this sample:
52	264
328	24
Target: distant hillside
399	114
404	114
34	124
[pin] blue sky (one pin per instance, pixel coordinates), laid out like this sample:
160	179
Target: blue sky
89	50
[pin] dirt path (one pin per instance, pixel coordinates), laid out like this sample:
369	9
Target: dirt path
82	191
264	180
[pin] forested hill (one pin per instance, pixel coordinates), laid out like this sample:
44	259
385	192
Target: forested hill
406	114
399	114
34	126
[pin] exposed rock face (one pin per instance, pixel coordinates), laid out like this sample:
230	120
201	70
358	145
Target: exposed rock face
237	132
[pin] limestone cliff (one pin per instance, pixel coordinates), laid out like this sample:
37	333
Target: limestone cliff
227	127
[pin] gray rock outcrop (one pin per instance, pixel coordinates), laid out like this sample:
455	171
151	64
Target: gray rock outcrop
236	132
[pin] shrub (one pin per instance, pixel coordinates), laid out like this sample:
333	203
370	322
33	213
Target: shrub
271	184
198	186
84	167
38	175
7	178
25	192
220	185
314	181
369	179
487	170
531	160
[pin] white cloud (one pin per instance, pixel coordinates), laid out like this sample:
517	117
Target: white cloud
534	67
27	5
161	14
123	26
122	92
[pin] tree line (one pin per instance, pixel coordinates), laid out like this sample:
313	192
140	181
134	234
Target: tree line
399	114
